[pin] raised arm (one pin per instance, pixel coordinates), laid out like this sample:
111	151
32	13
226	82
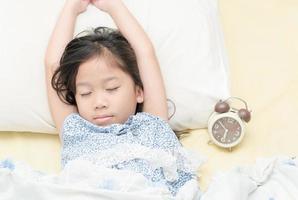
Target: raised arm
61	35
63	30
154	90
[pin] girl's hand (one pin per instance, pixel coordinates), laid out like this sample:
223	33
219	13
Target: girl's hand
106	5
78	6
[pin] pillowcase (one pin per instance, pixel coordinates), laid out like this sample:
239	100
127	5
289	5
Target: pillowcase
186	35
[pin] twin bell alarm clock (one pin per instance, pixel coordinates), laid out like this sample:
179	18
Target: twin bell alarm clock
226	124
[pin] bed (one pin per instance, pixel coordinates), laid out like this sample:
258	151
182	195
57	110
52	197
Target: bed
262	46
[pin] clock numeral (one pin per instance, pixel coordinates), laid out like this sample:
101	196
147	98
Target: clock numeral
230	120
216	126
237	133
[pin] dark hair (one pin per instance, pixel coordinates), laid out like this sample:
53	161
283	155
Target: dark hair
97	42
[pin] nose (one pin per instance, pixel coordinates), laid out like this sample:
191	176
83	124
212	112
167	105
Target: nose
100	102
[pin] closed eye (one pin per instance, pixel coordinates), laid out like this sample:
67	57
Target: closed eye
112	89
85	94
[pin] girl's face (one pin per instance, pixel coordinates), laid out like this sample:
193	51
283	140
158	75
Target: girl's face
104	93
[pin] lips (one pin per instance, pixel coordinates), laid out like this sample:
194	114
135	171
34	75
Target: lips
102	119
102	116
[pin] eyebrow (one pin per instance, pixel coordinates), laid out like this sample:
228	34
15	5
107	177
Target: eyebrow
104	81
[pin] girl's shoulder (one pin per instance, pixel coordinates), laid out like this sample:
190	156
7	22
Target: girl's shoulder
72	118
150	122
144	116
147	119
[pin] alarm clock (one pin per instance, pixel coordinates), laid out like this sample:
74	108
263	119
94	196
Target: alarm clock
226	124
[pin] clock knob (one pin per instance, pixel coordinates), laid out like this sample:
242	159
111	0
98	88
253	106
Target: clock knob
244	114
222	107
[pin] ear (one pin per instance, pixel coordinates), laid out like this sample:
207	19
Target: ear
139	94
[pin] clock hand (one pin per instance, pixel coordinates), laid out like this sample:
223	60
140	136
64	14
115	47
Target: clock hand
223	139
225	134
222	125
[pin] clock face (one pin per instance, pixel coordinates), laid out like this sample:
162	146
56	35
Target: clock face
226	130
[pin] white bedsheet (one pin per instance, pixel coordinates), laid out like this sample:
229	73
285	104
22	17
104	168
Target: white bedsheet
81	179
268	179
273	178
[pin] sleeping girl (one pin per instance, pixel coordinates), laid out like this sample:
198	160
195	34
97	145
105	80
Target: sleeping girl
108	97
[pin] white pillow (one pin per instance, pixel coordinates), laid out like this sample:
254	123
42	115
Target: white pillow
186	35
